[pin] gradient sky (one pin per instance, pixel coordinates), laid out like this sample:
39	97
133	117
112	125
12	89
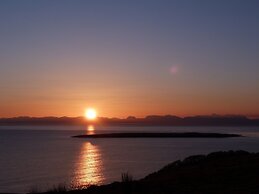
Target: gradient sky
130	57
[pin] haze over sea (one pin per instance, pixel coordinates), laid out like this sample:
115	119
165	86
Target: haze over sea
43	156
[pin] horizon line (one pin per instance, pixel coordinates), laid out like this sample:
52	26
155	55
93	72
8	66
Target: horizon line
143	117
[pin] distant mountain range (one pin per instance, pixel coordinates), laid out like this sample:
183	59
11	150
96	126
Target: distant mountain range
151	120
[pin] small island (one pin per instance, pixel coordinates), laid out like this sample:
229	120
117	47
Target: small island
158	135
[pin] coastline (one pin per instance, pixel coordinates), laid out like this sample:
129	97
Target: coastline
217	172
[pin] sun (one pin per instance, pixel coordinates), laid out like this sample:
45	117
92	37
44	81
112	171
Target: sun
90	114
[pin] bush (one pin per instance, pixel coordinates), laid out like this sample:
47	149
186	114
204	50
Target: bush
60	188
126	177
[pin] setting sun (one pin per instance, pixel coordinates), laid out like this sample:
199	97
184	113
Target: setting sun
90	114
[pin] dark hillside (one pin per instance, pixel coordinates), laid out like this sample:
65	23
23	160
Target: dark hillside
219	172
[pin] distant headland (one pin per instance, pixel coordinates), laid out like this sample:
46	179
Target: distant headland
151	120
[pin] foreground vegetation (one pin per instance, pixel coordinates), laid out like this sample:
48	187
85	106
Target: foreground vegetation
218	172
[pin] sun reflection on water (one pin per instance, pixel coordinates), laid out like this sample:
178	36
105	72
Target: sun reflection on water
90	130
89	167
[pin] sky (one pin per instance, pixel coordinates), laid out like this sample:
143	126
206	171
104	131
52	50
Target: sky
135	57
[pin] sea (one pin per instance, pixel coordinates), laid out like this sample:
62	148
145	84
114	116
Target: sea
40	158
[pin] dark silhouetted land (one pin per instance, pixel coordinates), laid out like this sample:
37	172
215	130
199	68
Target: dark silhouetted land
152	120
219	172
158	135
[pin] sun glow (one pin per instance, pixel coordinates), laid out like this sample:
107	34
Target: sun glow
90	114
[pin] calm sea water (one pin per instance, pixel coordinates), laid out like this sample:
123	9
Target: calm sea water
40	157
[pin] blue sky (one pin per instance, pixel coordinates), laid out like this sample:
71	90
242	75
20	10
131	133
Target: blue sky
58	57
